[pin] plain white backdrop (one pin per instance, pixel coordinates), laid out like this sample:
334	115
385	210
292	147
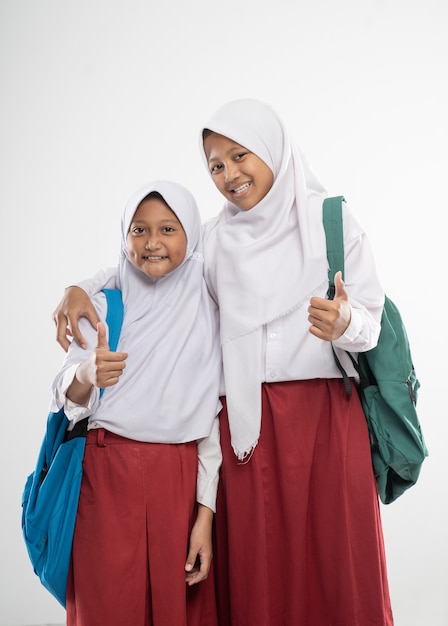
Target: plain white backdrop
99	96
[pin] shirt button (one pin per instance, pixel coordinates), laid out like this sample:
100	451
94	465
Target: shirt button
273	335
273	374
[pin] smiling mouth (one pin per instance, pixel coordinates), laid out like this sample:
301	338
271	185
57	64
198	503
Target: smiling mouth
240	189
154	258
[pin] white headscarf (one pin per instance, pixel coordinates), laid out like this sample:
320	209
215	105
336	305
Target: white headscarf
169	389
267	261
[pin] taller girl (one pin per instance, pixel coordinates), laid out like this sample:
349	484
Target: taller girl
298	529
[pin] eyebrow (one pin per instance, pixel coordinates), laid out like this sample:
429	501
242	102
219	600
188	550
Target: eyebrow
233	150
168	220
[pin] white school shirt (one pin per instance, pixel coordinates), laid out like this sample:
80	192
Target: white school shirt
209	448
289	351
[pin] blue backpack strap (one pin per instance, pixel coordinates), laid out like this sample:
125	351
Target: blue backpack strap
114	321
332	218
114	318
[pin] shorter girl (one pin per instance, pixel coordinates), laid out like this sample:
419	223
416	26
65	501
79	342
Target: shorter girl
143	532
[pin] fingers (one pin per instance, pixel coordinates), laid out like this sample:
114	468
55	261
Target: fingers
321	315
90	313
197	566
76	333
75	304
62	331
109	367
67	326
192	564
329	319
200	553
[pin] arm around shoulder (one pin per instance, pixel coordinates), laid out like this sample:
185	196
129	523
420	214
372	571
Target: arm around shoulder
76	303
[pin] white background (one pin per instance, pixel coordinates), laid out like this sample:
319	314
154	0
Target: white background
98	96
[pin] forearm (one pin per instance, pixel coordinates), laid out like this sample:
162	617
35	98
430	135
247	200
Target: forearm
103	279
80	390
204	517
366	294
209	463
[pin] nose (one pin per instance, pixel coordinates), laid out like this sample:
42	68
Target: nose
231	172
152	242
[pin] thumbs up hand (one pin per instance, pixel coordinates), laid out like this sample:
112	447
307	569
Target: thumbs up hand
329	319
108	366
102	368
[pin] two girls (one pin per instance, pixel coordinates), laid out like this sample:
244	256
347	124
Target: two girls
298	530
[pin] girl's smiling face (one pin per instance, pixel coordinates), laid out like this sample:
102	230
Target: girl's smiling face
239	174
156	240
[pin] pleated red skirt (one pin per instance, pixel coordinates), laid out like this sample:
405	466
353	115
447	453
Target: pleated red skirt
136	510
298	531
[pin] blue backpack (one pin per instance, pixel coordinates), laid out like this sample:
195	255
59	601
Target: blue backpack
388	384
51	493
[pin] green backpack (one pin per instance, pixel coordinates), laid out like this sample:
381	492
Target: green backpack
387	386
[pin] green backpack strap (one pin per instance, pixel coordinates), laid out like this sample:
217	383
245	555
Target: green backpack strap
332	218
334	233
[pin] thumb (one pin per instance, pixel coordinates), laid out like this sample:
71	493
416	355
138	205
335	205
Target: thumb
340	291
102	336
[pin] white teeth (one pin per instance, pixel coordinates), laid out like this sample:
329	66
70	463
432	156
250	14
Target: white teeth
242	188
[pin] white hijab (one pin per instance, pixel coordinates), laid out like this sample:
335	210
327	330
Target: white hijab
267	262
169	389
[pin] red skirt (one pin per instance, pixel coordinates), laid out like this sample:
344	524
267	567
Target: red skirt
298	530
136	510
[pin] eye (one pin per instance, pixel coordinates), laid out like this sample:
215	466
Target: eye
137	230
240	155
168	229
215	168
